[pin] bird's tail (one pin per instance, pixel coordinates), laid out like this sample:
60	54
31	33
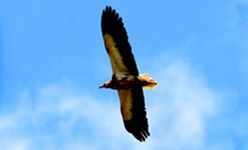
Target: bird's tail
149	82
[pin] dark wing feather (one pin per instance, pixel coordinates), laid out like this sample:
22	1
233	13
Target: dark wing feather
112	25
134	112
138	124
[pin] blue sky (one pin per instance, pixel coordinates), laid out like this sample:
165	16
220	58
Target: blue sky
53	61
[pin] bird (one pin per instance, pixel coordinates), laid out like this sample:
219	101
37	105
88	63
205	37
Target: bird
125	78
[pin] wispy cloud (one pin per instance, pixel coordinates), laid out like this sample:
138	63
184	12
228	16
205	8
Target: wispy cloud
60	116
184	104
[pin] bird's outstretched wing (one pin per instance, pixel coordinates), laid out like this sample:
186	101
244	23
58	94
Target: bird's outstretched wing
122	61
116	42
133	112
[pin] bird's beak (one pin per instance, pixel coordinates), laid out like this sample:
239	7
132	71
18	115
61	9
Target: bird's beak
101	86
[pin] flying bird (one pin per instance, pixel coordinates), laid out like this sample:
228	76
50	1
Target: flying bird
126	78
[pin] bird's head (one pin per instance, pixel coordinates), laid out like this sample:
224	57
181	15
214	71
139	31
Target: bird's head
105	85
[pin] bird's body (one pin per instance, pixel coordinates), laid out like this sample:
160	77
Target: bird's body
125	79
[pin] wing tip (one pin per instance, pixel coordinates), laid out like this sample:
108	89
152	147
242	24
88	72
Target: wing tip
111	11
109	8
140	133
111	21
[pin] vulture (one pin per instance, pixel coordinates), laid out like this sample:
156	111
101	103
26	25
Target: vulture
125	78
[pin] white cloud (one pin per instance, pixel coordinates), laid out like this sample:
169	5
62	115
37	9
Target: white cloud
183	107
61	116
17	144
